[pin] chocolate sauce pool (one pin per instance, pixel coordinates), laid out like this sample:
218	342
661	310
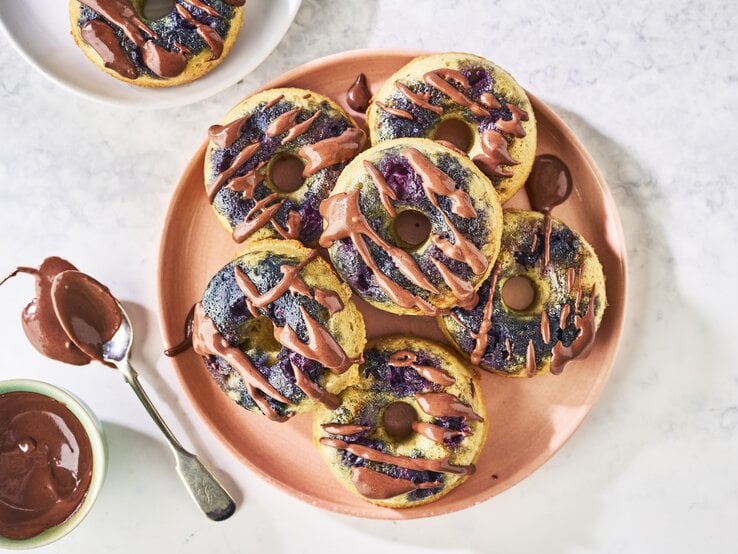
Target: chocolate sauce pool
45	464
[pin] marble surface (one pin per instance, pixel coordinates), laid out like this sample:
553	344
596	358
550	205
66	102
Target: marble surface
652	90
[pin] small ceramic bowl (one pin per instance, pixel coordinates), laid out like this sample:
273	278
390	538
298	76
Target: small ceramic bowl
94	430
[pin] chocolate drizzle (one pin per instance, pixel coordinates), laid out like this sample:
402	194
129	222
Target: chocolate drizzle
419	99
207	341
333	150
358	95
549	185
580	347
386	193
224	136
530	359
394	111
344	429
186	342
441	465
441	80
406	358
99	34
345	220
481	337
494	155
443	404
378	486
513	126
321	345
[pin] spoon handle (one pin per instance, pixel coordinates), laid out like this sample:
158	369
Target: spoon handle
203	487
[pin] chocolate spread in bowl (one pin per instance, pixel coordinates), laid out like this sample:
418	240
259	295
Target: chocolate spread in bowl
45	464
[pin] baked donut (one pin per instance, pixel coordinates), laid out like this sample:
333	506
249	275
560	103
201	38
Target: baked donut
176	48
274	158
560	322
278	330
410	430
389	193
468	101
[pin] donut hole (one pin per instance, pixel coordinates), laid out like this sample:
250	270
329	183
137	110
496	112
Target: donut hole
457	132
398	418
411	228
259	335
155	9
519	293
285	173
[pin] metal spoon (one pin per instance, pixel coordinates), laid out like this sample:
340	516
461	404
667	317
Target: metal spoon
75	315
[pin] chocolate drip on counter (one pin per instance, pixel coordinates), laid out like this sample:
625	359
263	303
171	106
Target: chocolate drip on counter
394	111
207	341
494	155
406	358
441	465
440	79
331	151
86	310
443	404
186	342
225	135
45	464
344	429
548	185
386	193
358	95
321	346
481	337
586	326
419	99
101	37
345	220
162	62
40	323
378	486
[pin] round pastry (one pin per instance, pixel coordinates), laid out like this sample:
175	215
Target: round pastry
278	330
410	430
274	158
413	227
467	101
176	48
520	336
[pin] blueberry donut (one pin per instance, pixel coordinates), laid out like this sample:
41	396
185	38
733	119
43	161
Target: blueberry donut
413	227
521	335
410	430
176	48
278	330
465	100
274	158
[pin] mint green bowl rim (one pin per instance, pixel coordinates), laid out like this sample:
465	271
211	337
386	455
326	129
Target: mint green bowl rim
94	430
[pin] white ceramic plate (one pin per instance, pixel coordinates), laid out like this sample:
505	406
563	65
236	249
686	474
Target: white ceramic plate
39	29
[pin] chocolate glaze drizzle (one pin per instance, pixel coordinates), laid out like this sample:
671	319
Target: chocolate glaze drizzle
162	62
406	358
358	95
321	345
378	486
186	342
345	220
548	185
319	155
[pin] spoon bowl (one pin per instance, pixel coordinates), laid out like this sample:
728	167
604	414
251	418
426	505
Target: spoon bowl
98	325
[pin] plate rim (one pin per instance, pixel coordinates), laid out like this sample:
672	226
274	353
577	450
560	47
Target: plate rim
378	512
148	104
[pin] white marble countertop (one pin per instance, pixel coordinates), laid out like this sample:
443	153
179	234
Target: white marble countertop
652	90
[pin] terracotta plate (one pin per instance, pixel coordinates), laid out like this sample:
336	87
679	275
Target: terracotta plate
530	419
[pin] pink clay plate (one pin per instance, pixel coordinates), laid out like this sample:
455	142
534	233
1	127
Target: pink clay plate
530	419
